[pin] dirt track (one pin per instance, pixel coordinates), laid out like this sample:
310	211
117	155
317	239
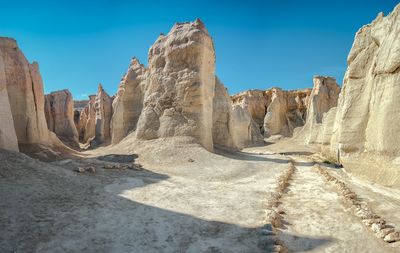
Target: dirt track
210	203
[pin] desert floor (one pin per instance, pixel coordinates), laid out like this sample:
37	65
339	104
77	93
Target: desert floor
182	198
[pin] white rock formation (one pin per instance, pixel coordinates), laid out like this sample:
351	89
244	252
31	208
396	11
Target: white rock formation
8	137
59	114
324	97
128	103
26	98
178	100
223	124
103	108
367	123
286	111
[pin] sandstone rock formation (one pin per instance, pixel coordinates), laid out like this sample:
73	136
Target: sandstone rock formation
275	111
324	96
59	114
255	102
223	123
367	123
103	108
363	130
244	130
179	95
26	98
87	122
8	137
128	103
286	111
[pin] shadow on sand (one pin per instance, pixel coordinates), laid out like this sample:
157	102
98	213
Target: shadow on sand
48	208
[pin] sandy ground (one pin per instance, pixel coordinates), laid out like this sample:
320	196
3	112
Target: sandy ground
180	198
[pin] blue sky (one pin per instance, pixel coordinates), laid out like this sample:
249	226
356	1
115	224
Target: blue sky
259	44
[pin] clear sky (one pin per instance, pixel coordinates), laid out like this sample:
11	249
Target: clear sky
259	44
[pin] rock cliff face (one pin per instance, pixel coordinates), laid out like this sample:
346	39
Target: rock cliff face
26	98
179	95
103	108
59	114
87	121
275	111
324	96
128	103
223	124
255	102
364	127
8	137
367	123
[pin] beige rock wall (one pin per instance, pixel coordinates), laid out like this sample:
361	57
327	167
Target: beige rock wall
323	98
103	108
26	97
244	130
286	111
8	137
87	122
59	114
128	103
255	102
178	99
367	123
222	117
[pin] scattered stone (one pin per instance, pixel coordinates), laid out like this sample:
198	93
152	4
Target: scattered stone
384	232
190	160
392	237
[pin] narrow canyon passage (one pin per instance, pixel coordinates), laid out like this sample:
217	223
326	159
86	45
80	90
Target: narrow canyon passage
317	220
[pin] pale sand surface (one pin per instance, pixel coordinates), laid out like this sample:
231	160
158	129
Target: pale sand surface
183	199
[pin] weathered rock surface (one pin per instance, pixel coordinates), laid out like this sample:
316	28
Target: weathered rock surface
87	122
286	111
367	123
223	124
275	111
255	102
245	131
128	103
103	108
26	98
8	137
323	99
178	99
364	127
59	114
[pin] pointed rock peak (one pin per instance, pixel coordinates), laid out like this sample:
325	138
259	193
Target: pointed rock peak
8	42
135	62
100	87
199	23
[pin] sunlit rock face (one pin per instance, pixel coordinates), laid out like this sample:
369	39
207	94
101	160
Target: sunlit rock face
367	123
178	100
324	97
8	137
103	109
87	121
286	111
255	102
24	87
128	103
244	130
59	112
223	124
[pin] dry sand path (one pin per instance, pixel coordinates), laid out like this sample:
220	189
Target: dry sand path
317	220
